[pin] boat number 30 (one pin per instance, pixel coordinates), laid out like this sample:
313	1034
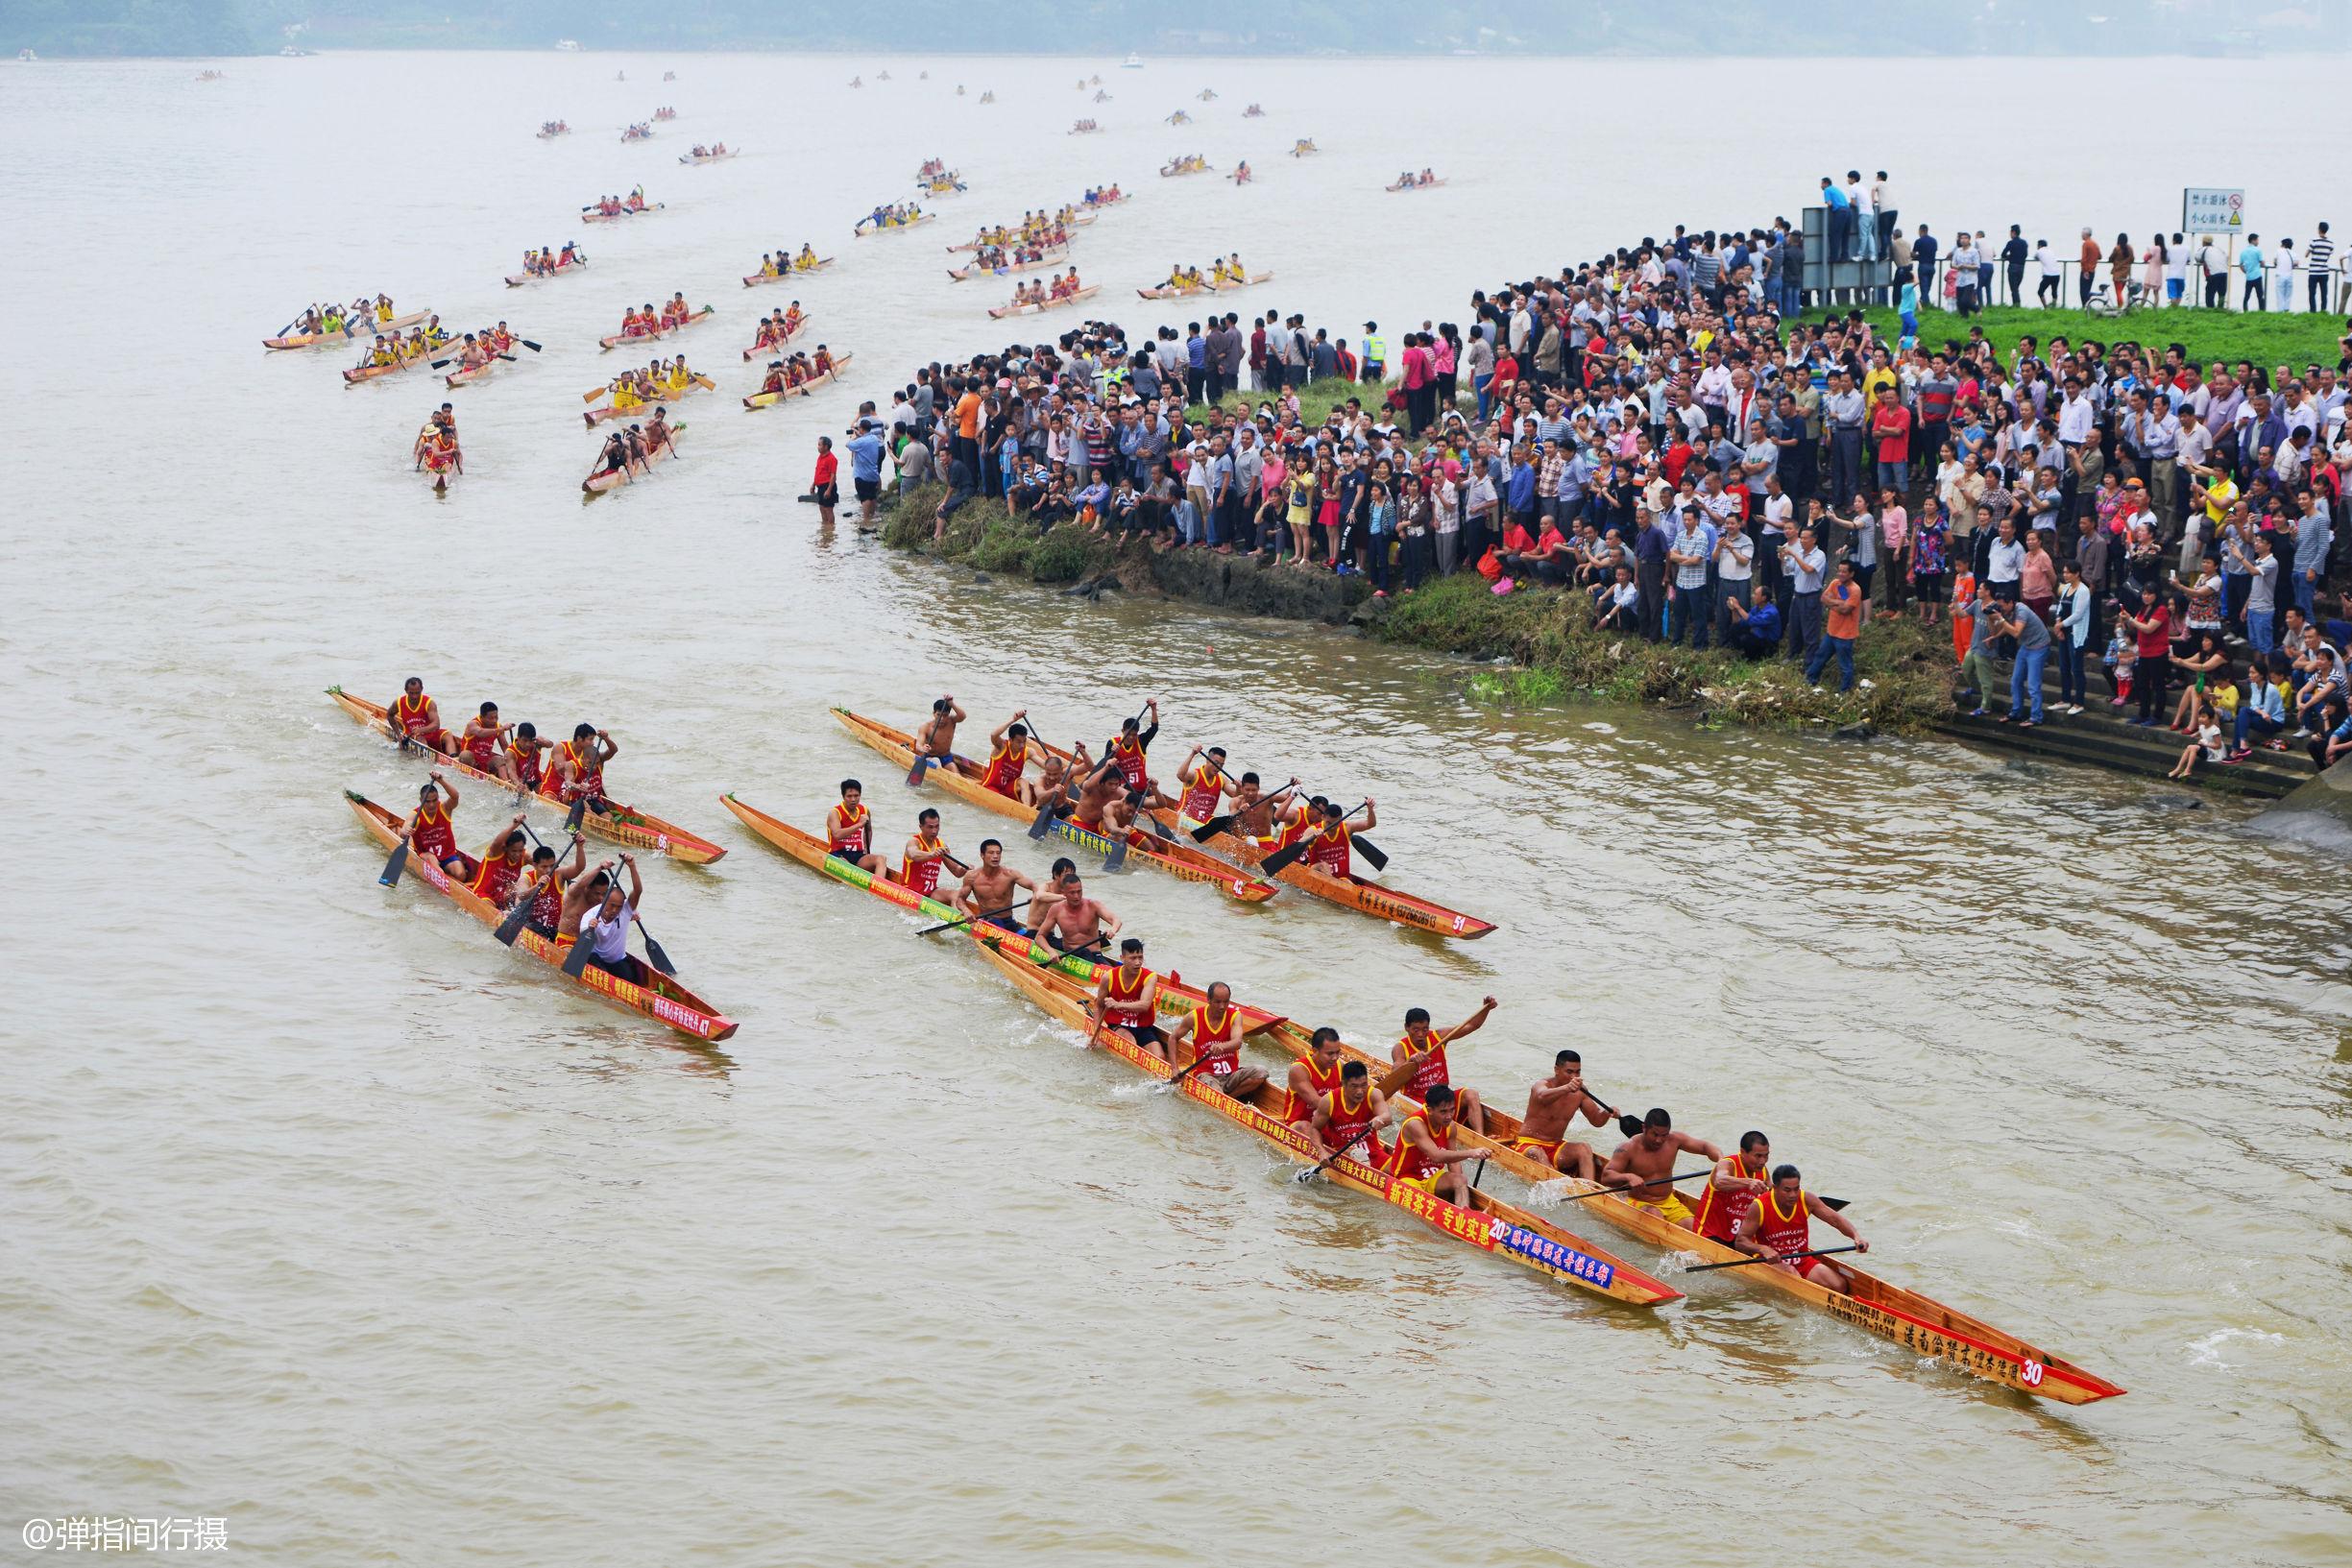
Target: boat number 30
2029	1372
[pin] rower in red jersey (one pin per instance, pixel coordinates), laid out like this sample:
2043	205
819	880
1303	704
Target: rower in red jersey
1425	1048
480	747
417	716
1733	1188
1313	1077
428	832
1008	757
1127	752
1126	998
544	885
1330	847
1203	774
925	857
1353	1108
1779	1225
1213	1029
504	863
520	761
580	765
849	831
1425	1153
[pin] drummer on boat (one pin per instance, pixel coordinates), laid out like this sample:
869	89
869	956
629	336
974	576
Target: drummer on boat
1212	1028
1642	1166
849	831
1072	922
418	717
986	891
1425	1049
1126	998
1553	1105
1779	1225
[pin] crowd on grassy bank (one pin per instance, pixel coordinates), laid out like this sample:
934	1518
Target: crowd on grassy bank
1649	443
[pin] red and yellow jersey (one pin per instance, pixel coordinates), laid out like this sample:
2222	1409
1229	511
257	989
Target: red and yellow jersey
1348	1118
586	770
1005	765
1720	1211
482	749
923	876
547	900
1123	997
1782	1232
526	765
1328	850
413	717
1429	1067
1297	1109
431	837
1203	795
1130	761
496	879
1406	1161
845	831
1217	1037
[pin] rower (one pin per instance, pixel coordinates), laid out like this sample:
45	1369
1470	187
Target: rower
428	828
934	743
1101	802
418	717
1641	1165
1213	1029
603	920
1203	774
1425	1049
1328	848
926	856
580	765
1426	1154
1314	1077
1553	1105
1352	1106
1733	1188
775	377
520	761
1258	818
1127	750
1126	998
849	834
1007	756
987	889
1779	1225
1072	922
504	862
1051	784
481	753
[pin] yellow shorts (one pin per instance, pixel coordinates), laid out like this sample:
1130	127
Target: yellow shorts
1670	1207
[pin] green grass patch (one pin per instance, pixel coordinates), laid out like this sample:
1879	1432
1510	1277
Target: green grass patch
2267	340
1316	399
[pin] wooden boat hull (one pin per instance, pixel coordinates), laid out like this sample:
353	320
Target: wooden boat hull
862	230
755	279
691	160
597	484
624	212
769	399
625	825
964	781
1493	1226
1055	260
623	339
1907	1318
664	999
1000	312
781	343
464	378
597	416
352	332
377	373
1353	893
516	280
1426	184
1178	174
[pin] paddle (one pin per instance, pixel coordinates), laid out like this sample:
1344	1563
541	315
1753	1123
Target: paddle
511	927
1654	1181
1291	852
1219	824
653	950
969	920
393	866
1313	1171
526	343
591	396
1786	1257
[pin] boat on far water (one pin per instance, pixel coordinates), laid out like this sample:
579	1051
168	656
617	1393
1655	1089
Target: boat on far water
1134	63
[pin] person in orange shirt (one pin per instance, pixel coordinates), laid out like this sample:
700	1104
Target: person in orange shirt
1841	613
1963	613
967	424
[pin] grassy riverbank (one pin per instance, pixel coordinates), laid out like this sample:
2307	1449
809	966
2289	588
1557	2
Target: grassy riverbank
2268	340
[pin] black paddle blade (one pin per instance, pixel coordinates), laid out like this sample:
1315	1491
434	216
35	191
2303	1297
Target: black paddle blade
1378	857
395	866
1159	828
1211	829
914	774
578	812
1045	817
528	343
512	926
1630	1126
1116	860
661	960
576	962
1282	857
1835	1202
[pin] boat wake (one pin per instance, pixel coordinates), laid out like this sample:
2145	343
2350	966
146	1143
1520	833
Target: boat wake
2207	1352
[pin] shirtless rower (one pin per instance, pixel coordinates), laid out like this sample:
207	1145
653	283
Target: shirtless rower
413	715
1640	1167
1213	1028
1101	800
987	891
1427	1155
1009	757
1264	819
1313	1077
1053	781
1126	998
1072	922
504	860
1425	1049
603	920
1203	774
580	765
1551	1108
1779	1224
428	828
934	743
1731	1190
926	856
1354	1105
849	831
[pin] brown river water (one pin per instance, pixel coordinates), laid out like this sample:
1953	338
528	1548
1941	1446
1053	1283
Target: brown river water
327	1217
